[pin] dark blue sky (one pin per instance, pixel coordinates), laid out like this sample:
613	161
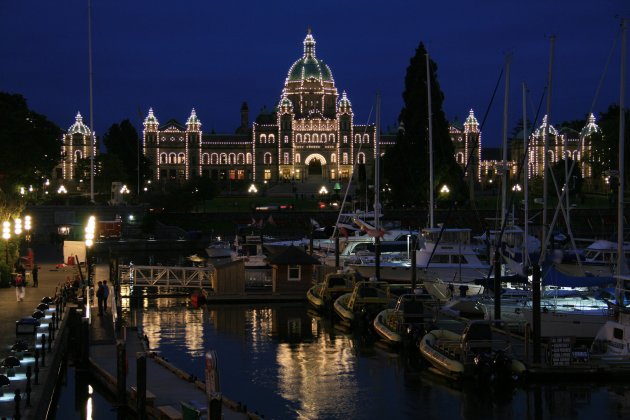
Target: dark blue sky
213	55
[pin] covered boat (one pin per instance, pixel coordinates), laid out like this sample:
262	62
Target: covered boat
408	320
365	301
475	353
322	295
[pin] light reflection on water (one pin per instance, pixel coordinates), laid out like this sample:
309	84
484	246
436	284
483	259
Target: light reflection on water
285	364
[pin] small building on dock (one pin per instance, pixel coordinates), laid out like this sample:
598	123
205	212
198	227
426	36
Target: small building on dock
292	270
229	278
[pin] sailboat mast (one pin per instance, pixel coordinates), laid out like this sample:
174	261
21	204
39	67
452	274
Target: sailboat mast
430	116
92	137
377	159
377	189
504	210
621	263
525	181
544	233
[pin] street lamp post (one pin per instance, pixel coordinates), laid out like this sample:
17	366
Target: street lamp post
27	229
6	235
89	241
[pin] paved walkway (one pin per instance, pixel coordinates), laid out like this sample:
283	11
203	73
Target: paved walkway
50	278
160	375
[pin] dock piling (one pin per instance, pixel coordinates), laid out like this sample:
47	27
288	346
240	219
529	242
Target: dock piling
141	385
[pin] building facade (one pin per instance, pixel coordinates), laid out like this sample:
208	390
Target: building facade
77	144
309	136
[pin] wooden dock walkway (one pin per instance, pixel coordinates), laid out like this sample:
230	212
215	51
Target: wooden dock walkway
167	386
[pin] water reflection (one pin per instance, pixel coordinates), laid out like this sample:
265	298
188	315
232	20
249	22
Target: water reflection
284	363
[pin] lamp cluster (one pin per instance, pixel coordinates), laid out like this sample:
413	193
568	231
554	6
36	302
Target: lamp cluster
89	231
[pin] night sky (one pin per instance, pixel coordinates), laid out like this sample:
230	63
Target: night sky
214	55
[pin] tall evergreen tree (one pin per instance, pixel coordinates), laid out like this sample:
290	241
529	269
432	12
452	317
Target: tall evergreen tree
406	164
30	144
122	141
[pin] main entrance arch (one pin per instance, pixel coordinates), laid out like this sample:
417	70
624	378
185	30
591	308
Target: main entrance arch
315	164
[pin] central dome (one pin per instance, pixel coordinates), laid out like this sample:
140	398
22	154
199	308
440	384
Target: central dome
309	66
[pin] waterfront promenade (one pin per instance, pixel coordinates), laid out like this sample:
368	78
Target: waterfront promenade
167	386
50	278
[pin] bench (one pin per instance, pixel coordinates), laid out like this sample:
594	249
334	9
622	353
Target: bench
169	412
150	396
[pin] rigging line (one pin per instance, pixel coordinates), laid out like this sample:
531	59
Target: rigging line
468	162
354	165
601	80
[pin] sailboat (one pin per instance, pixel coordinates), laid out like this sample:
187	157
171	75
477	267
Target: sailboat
583	323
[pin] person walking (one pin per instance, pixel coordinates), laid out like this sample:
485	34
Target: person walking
35	273
105	295
19	287
99	297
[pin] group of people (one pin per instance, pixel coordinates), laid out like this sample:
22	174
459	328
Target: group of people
102	293
20	280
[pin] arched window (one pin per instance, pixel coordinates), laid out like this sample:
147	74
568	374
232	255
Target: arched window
345	158
286	139
263	138
248	158
331	138
307	138
285	159
366	139
357	138
232	158
181	158
361	158
267	159
298	138
345	139
205	159
297	158
77	155
223	159
163	158
272	138
172	158
315	138
214	159
459	158
240	158
333	158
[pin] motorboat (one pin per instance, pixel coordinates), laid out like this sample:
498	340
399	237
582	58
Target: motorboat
365	301
612	341
322	295
447	254
596	260
408	320
476	353
219	249
357	251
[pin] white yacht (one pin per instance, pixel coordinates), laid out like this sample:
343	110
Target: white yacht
446	254
598	259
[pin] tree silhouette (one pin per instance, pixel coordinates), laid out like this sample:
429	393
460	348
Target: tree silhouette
406	164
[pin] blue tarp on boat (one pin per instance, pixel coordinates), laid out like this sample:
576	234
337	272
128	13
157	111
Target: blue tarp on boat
553	277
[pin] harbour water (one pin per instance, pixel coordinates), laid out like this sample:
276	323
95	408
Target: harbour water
285	363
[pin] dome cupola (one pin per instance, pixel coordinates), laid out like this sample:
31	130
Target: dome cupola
79	127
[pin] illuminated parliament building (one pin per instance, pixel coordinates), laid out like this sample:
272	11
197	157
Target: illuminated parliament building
310	136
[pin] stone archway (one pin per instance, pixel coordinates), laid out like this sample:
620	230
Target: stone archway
315	167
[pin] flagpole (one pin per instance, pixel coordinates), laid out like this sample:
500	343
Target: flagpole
92	137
